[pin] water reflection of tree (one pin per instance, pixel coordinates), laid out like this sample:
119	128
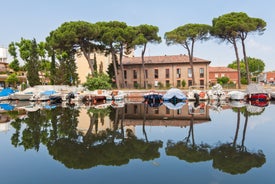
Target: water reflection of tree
42	127
57	129
187	150
233	158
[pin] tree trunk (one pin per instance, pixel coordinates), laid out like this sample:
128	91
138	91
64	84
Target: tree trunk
238	63
115	68
246	63
90	62
237	129
121	66
143	65
190	54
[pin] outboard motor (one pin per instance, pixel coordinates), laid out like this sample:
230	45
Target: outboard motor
70	96
197	97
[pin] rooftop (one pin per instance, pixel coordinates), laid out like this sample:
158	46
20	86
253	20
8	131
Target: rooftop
220	69
182	58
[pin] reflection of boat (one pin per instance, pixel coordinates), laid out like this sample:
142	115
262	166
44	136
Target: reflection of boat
254	109
237	103
216	93
152	96
197	93
272	95
6	107
197	107
174	95
236	95
173	106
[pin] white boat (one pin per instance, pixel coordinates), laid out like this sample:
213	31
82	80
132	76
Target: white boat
197	93
216	93
174	94
23	95
43	96
236	95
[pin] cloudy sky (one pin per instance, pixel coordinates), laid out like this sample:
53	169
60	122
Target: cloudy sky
37	18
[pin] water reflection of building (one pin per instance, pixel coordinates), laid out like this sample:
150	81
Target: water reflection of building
85	122
137	114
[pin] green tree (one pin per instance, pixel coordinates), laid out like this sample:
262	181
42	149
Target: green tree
14	64
186	36
76	37
256	66
98	81
29	52
66	70
146	34
234	26
12	79
111	37
248	25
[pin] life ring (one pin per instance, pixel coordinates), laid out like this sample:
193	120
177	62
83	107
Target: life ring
202	94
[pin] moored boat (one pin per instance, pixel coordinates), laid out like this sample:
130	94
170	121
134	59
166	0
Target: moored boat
236	95
197	93
174	95
257	92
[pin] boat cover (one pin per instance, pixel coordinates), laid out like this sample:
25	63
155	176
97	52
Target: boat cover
174	92
6	92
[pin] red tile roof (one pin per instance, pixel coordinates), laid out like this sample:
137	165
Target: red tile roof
162	59
221	69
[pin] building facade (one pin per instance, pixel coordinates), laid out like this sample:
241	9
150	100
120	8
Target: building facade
218	72
167	71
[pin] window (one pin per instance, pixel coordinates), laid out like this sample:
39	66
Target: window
156	111
189	82
167	75
134	74
156	73
216	75
178	84
201	72
178	73
189	72
146	74
156	83
135	84
135	109
167	83
125	74
167	110
202	82
222	75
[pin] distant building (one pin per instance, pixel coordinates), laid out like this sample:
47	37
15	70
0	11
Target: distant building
266	77
169	71
220	71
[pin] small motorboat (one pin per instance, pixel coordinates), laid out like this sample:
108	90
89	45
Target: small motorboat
236	95
256	92
174	95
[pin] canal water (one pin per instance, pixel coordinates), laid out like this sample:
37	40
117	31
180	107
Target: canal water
135	143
